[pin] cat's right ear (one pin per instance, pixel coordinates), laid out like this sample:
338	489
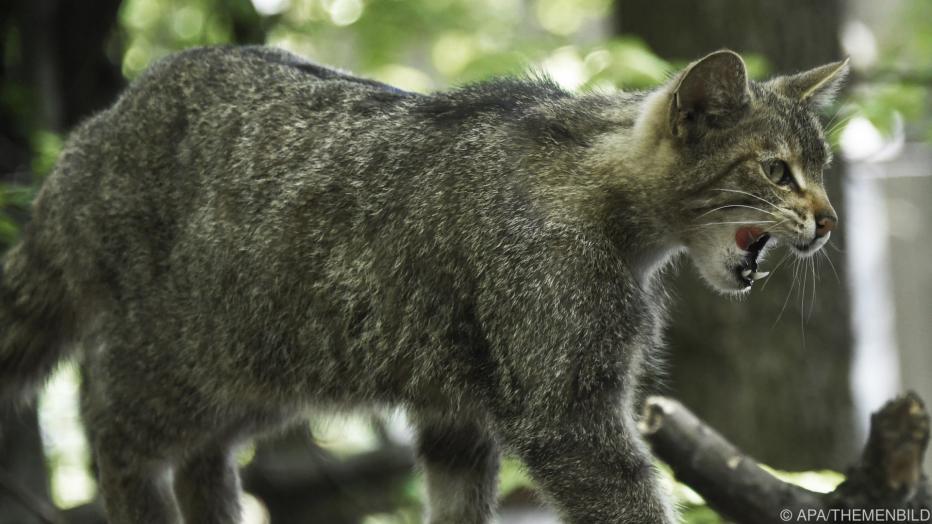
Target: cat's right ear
711	92
816	87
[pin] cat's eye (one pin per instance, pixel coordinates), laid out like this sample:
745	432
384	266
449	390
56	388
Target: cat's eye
779	173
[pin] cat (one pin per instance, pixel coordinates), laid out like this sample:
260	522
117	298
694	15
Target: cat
245	236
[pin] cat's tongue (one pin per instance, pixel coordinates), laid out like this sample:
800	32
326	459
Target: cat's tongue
746	236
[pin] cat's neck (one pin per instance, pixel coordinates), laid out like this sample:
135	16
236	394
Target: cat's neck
618	184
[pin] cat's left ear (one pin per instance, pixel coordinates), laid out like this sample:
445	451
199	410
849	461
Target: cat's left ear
711	93
816	87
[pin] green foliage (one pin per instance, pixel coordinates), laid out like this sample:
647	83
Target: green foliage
12	198
909	47
155	28
883	103
626	62
512	477
17	102
9	232
700	514
15	199
820	481
416	44
896	85
45	149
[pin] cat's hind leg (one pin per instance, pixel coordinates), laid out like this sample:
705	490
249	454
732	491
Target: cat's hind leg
460	463
135	487
207	483
207	487
199	475
147	429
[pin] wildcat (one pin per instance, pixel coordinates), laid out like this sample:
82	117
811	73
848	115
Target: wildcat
246	236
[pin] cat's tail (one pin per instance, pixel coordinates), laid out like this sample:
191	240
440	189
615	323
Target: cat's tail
32	320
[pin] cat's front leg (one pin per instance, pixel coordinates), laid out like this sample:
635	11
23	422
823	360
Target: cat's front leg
594	470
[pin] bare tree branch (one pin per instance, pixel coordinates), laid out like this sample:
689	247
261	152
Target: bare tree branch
888	475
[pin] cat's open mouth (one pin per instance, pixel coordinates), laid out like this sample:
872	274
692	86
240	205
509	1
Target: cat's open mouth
752	242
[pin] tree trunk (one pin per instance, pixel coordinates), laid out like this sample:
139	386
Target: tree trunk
779	389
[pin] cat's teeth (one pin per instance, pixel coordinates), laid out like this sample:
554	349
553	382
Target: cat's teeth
746	273
759	275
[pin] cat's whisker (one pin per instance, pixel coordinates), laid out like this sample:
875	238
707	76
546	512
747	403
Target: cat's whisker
788	294
777	196
802	308
738	205
812	269
836	120
833	118
774	270
831	264
839	125
764	200
838	117
769	229
736	222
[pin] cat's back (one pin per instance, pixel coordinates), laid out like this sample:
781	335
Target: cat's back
201	77
204	139
209	99
198	109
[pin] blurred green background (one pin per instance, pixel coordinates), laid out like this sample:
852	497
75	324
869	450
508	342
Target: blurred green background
796	395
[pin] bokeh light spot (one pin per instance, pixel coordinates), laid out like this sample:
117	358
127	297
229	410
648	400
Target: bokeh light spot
344	12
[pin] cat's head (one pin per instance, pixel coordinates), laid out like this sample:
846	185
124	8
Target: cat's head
749	159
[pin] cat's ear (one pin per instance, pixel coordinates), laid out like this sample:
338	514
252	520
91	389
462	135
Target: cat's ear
816	87
710	92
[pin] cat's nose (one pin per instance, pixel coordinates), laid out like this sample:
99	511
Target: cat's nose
825	223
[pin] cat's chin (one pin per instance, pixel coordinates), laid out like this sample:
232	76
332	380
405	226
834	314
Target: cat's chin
725	281
728	269
810	249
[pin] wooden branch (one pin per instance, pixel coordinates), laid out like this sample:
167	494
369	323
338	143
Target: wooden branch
328	473
730	481
888	476
319	487
889	473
